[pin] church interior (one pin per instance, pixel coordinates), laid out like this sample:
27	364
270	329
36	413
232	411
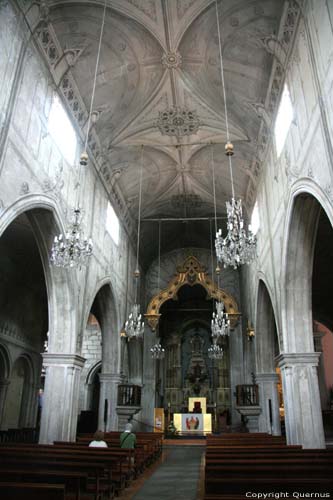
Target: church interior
166	248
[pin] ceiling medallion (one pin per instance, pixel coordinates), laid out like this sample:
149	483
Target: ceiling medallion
176	121
171	60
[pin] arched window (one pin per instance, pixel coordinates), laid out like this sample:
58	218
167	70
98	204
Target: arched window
62	130
112	223
283	120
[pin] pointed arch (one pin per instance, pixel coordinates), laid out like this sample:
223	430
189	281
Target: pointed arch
191	273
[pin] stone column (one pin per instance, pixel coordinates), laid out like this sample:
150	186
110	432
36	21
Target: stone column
269	420
149	381
324	396
304	423
236	370
61	397
4	384
108	392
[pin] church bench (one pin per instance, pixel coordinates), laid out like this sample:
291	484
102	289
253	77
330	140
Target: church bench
31	491
149	449
124	455
241	485
75	482
98	469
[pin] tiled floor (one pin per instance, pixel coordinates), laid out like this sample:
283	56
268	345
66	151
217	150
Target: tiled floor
179	475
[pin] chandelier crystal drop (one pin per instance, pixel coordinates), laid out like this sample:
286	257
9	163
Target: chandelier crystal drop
215	352
134	327
72	249
238	247
220	323
157	351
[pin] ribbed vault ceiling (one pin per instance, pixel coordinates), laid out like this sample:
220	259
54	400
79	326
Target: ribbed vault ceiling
135	83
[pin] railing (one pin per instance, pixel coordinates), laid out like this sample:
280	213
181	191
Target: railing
129	395
247	395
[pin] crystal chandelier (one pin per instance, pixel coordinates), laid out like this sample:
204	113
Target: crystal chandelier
239	245
134	327
157	351
215	352
220	323
72	249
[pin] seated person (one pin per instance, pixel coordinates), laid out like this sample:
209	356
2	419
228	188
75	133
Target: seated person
98	441
127	438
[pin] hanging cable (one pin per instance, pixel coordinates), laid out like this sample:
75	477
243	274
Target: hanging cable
95	76
137	270
224	96
159	256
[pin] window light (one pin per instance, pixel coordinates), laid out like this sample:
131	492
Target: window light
62	131
255	220
112	223
283	120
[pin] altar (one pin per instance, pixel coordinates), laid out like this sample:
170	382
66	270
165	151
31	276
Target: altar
194	422
200	423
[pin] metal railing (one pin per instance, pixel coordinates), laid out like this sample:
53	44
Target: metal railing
247	395
129	395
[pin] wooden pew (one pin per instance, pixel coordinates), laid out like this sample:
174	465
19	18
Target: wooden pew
99	479
31	491
236	466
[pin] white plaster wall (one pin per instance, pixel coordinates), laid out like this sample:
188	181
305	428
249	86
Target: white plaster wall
306	160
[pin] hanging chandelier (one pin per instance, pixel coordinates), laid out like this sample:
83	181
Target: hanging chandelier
238	246
215	352
220	323
134	326
157	351
73	249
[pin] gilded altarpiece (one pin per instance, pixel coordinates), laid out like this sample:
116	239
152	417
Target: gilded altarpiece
183	313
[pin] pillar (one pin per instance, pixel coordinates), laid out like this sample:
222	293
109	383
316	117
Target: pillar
304	423
107	416
324	396
149	381
269	419
4	384
236	370
61	397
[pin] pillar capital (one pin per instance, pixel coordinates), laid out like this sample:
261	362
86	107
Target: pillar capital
267	377
116	378
292	359
55	359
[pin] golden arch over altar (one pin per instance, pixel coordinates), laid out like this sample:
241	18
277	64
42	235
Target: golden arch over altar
192	273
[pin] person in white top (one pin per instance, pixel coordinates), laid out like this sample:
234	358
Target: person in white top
98	441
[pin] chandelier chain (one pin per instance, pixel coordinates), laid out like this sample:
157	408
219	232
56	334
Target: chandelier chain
159	256
95	75
224	96
214	185
222	70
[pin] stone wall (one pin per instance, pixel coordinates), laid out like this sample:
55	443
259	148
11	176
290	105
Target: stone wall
35	175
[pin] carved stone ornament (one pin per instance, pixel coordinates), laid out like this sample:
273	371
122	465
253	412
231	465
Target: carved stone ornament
172	59
191	273
178	122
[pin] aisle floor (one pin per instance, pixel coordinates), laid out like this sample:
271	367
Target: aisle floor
178	476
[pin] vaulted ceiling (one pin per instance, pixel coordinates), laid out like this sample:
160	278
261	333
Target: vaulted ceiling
159	54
